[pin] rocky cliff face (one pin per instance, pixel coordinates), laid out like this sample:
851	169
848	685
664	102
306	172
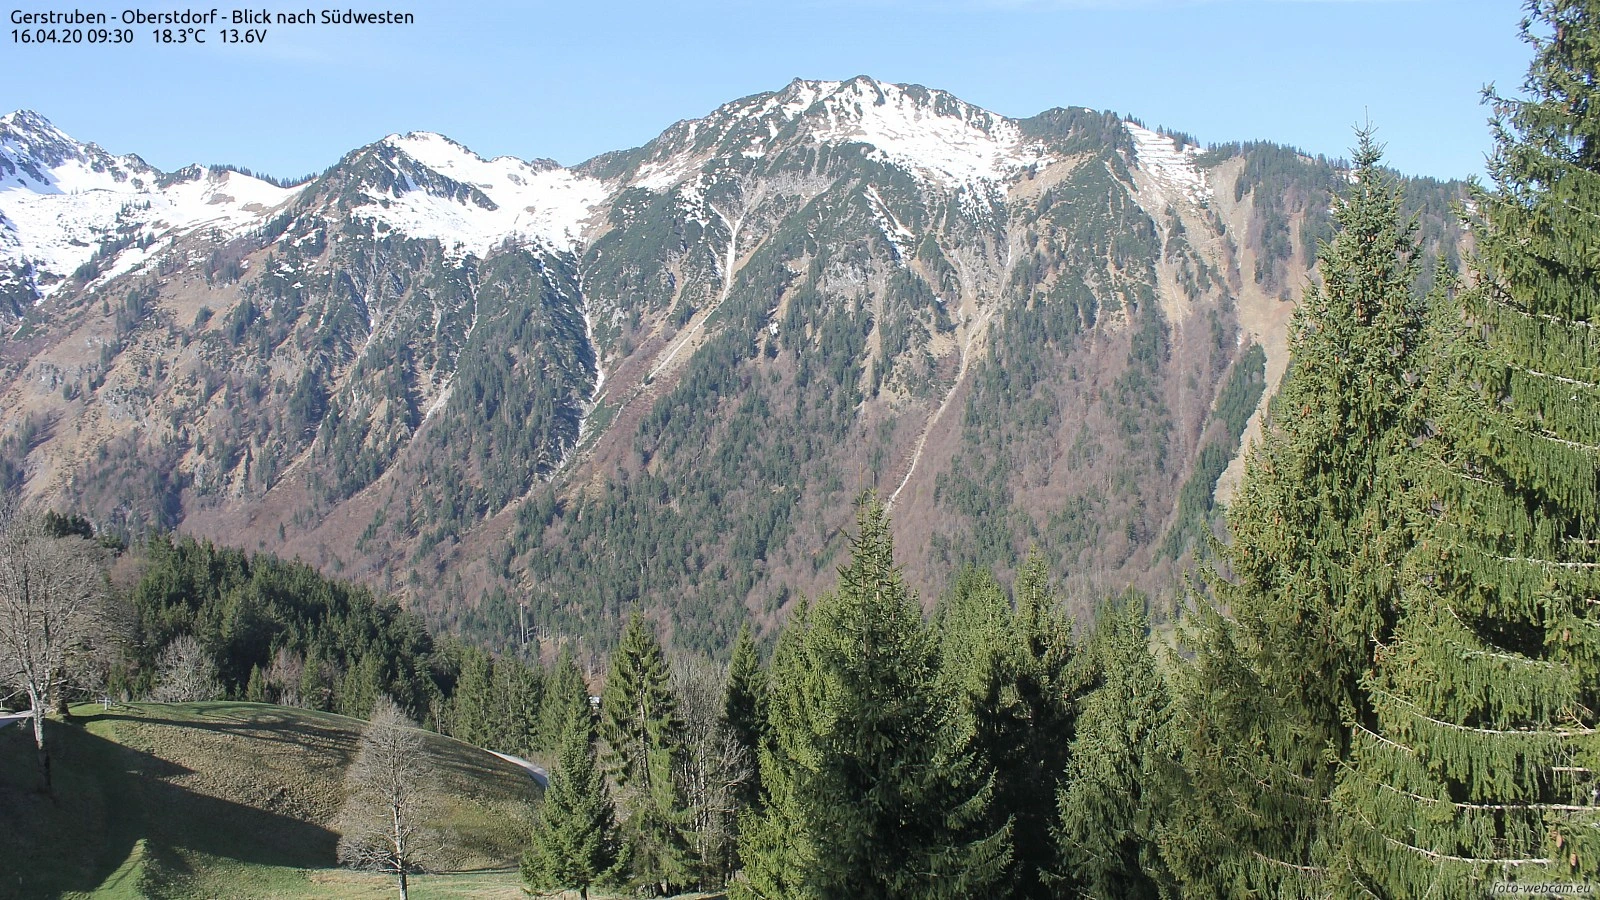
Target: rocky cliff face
663	376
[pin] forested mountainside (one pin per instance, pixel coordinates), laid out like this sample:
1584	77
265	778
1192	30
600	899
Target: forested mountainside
665	375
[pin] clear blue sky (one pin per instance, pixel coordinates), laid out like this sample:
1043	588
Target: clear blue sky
572	79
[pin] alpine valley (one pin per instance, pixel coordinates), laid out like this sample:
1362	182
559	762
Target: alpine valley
664	376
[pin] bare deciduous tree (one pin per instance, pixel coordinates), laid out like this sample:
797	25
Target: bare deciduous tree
51	593
186	673
713	770
284	676
384	825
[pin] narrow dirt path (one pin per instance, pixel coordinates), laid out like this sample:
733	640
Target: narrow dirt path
978	329
538	772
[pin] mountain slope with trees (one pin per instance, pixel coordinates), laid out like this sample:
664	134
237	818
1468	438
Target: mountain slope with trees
661	377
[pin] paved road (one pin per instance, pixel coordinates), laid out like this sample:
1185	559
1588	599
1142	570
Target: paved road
8	718
538	772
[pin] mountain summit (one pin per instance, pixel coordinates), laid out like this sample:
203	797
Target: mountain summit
68	207
430	187
929	133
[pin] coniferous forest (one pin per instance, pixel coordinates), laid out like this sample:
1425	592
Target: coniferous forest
1384	680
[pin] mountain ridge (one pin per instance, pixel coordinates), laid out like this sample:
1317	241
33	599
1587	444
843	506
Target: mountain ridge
658	377
958	163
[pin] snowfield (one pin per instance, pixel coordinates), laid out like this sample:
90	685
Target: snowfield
61	199
1170	167
939	139
540	202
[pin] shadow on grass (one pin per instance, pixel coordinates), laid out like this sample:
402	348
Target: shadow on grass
306	731
111	801
259	723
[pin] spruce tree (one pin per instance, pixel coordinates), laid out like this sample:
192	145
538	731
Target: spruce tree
1114	799
518	694
744	707
1317	538
773	843
1010	664
871	783
1223	718
256	690
566	693
643	742
472	712
576	843
1478	761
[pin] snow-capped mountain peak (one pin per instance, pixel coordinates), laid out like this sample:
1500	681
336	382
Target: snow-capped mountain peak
938	138
449	157
800	94
38	156
929	132
62	201
475	204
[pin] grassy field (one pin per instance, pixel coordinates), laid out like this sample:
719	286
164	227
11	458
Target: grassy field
232	800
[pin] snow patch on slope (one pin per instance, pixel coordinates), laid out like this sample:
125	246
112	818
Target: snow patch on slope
61	200
898	235
798	97
545	203
1171	168
661	175
60	231
942	141
692	200
928	133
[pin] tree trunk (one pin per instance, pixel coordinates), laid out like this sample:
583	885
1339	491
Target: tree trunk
405	890
44	754
37	708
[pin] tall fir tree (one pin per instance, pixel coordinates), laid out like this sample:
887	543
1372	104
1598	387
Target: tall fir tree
1317	538
872	787
576	842
1223	716
472	712
565	693
1479	759
256	690
1010	663
744	707
643	741
773	837
518	694
1116	792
